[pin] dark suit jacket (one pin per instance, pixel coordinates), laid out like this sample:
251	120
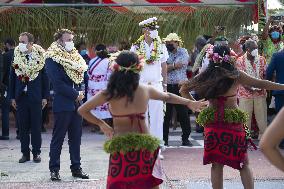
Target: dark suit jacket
7	62
37	89
65	90
276	65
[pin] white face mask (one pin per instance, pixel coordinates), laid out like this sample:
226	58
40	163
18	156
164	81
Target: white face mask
23	47
254	53
69	45
154	34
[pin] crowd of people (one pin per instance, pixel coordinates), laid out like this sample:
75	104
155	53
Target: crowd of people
131	94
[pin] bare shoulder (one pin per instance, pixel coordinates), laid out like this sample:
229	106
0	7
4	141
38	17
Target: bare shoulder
144	89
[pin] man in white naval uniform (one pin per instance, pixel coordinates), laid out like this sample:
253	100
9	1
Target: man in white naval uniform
154	73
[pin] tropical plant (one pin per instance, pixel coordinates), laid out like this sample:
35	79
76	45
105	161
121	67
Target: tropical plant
105	25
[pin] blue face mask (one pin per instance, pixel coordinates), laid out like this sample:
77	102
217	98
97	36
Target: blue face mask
275	35
83	52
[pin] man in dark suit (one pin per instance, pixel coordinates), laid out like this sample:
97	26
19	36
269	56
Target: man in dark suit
7	61
277	66
65	69
29	91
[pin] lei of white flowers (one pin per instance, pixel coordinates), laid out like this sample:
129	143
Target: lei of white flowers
28	70
73	63
249	67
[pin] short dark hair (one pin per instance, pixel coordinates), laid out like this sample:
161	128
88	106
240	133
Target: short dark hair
249	43
59	33
30	36
10	41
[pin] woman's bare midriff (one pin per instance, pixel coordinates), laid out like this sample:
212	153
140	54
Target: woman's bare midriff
123	126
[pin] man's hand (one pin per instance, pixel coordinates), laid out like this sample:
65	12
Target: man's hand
44	103
80	96
14	104
178	65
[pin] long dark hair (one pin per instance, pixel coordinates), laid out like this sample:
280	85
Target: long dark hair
217	79
123	83
101	51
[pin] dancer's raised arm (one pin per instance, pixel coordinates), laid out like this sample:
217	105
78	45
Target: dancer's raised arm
246	80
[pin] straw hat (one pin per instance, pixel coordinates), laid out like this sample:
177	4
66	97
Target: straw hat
173	37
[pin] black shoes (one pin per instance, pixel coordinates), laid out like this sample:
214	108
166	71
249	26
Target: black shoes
37	158
186	143
78	173
54	176
24	159
4	137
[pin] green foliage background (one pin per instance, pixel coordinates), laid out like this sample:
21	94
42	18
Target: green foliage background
104	25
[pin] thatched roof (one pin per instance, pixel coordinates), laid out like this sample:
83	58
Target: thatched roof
107	25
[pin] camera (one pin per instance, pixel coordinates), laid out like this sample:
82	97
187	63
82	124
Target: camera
276	18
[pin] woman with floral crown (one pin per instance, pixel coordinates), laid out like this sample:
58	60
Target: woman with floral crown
226	135
155	53
133	152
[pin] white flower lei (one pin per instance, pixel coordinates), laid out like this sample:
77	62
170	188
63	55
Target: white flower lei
249	67
72	62
155	53
28	70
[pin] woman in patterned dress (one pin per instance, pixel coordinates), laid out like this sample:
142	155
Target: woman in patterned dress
98	73
225	135
134	162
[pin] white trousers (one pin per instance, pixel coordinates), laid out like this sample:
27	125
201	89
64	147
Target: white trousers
259	107
155	115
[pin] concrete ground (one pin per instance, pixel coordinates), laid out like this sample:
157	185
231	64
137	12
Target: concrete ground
182	166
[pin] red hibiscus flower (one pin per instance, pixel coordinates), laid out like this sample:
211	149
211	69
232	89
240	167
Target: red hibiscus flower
27	78
116	67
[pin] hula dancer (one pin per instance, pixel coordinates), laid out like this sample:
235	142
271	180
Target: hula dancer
226	136
133	152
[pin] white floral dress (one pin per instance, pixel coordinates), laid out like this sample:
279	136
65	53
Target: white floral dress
98	72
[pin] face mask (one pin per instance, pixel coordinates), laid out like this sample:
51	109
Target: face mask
69	45
83	52
275	35
254	53
23	47
154	34
170	47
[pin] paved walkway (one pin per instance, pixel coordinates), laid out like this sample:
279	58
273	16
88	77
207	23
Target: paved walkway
182	166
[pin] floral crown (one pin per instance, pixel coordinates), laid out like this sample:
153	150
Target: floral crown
216	58
115	67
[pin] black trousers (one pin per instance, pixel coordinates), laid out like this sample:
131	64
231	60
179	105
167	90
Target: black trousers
182	114
29	119
64	122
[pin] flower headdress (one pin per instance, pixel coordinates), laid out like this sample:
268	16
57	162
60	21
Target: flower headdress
136	68
216	58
